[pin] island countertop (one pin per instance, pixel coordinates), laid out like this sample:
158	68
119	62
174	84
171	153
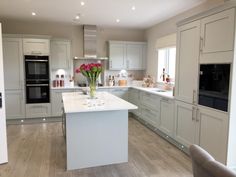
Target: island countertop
76	102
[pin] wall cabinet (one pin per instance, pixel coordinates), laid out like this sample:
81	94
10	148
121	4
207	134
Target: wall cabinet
36	46
38	110
217	37
60	54
186	82
167	116
127	55
15	104
134	57
117	56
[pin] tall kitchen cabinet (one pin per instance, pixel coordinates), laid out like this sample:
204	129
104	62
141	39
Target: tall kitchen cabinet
205	38
127	55
14	77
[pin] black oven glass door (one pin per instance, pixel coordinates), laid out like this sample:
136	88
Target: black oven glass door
214	86
36	68
37	93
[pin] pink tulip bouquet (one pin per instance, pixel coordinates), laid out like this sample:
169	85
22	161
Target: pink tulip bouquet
91	71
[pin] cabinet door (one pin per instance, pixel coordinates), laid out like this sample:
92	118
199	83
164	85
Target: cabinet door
217	33
167	116
117	56
36	46
134	58
187	62
60	54
213	128
185	125
56	103
122	93
133	97
13	63
152	101
150	115
56	100
15	104
38	110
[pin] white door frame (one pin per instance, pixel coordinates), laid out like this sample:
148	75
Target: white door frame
3	136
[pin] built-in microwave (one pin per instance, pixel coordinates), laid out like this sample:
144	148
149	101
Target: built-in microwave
214	86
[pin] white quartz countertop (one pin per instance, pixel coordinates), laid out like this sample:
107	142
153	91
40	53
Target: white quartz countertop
167	93
75	102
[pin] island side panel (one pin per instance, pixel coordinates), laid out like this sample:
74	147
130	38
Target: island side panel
96	138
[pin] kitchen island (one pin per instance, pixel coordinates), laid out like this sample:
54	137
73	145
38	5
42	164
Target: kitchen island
96	129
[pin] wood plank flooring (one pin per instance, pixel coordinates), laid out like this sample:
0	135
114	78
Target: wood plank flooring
38	150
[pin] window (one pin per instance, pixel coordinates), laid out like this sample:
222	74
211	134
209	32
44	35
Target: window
166	62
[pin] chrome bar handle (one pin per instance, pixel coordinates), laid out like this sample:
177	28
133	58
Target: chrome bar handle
194	97
201	44
193	117
198	115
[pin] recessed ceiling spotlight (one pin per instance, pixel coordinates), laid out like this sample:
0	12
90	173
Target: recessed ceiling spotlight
117	20
82	3
133	8
77	17
33	13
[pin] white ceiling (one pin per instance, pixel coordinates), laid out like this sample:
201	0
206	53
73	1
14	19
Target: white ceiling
97	12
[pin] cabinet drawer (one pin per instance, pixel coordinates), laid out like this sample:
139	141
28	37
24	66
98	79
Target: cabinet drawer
150	100
151	116
38	110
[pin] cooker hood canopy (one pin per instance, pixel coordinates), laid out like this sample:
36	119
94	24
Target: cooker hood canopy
90	43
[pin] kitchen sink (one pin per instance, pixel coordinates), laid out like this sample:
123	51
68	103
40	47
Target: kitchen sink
160	90
157	90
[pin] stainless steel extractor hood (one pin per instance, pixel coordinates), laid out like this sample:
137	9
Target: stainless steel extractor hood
90	43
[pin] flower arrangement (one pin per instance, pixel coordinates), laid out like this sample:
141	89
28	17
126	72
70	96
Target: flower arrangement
91	71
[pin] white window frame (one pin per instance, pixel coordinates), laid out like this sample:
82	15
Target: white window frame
166	62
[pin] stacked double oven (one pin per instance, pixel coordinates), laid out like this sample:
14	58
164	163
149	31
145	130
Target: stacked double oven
37	79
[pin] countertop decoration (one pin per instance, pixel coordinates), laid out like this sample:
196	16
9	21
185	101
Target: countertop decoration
91	71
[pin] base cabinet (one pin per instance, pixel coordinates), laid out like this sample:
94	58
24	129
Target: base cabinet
150	115
134	97
213	132
167	116
38	110
185	123
15	104
122	93
56	102
203	126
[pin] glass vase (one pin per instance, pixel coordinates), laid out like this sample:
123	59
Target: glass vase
92	87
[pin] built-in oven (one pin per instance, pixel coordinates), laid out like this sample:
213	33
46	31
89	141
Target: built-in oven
37	92
36	67
214	86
